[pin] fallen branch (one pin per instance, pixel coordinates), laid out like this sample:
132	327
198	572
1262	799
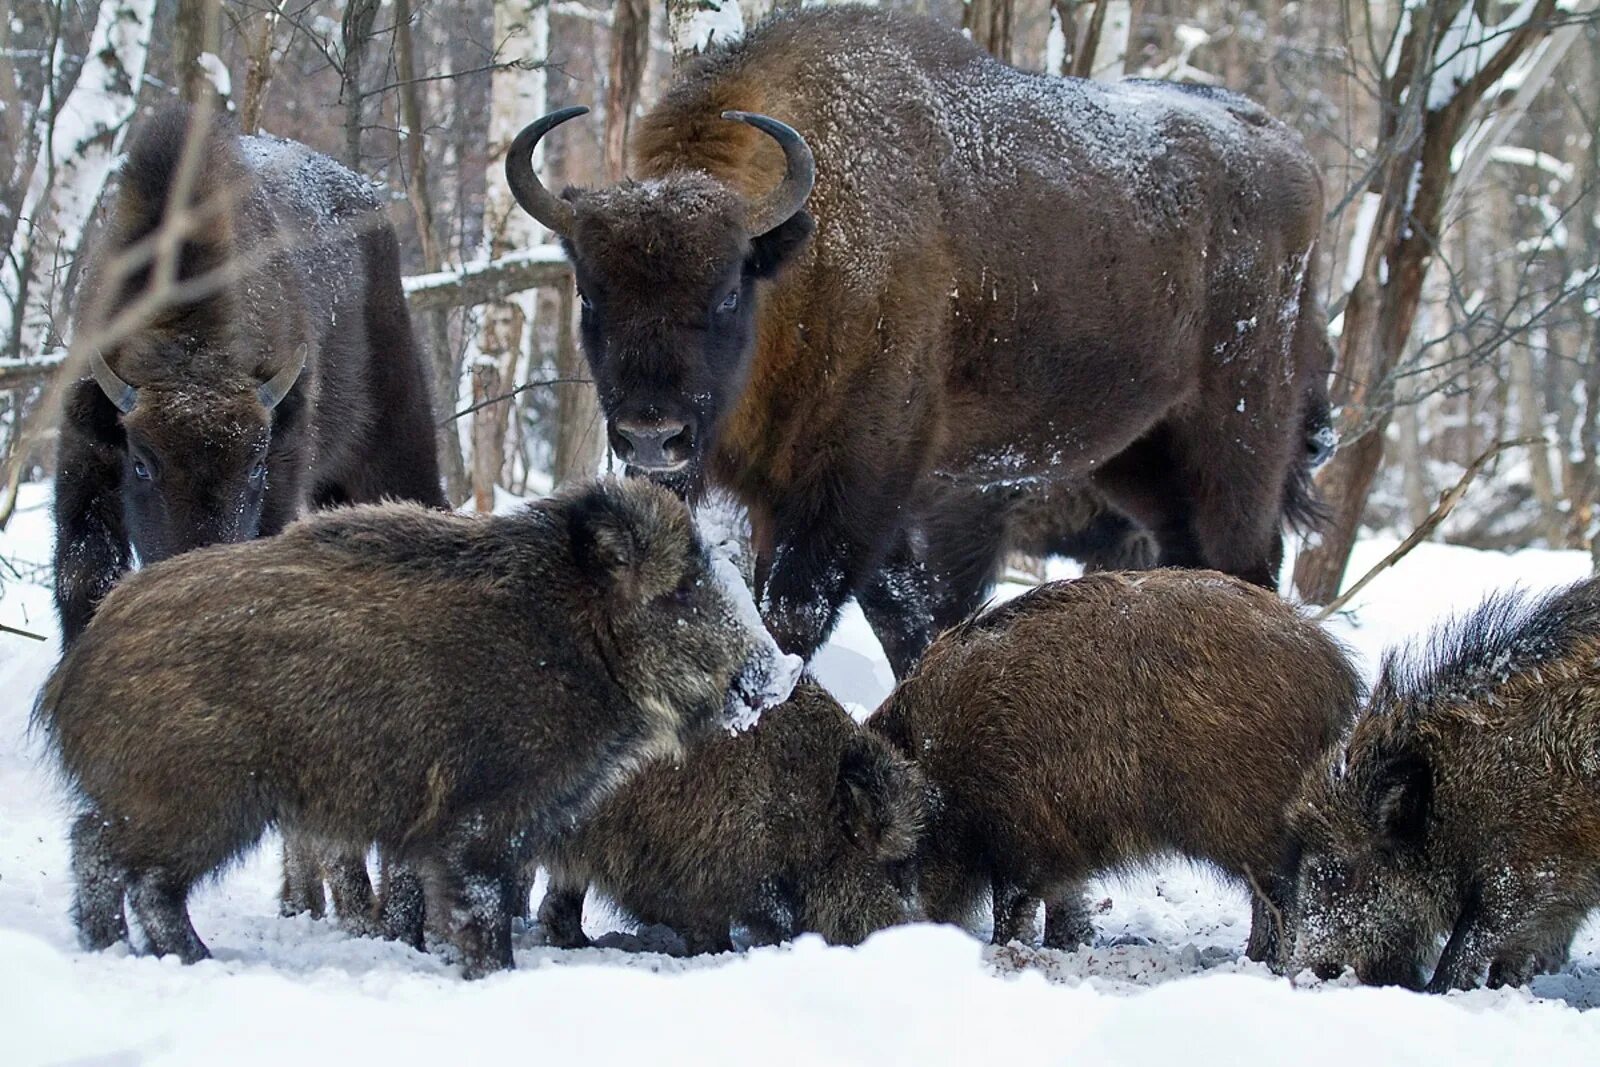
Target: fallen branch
486	280
1447	503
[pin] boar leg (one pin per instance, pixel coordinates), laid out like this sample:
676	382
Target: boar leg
561	913
1066	920
351	888
706	940
98	885
1498	922
402	902
476	864
1015	911
1271	903
302	878
1549	952
159	900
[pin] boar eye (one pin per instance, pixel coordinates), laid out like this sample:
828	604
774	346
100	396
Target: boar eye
683	596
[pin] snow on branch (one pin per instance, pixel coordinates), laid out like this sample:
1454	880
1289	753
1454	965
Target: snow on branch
484	280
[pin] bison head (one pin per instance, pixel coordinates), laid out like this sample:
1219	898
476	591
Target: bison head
195	464
667	271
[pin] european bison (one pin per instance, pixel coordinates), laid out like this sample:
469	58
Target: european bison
282	374
453	688
1096	724
1014	279
804	823
1466	802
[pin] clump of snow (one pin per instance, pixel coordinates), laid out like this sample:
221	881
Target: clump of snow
216	73
771	673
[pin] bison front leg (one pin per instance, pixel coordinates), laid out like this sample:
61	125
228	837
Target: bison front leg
825	554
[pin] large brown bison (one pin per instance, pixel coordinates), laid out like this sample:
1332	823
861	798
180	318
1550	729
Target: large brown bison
1015	279
280	373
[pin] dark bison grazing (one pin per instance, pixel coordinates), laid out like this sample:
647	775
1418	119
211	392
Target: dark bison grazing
453	688
1094	725
974	274
1465	802
286	376
804	823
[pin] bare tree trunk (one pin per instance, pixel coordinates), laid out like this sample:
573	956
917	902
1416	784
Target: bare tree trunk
1422	126
446	374
359	16
197	42
579	447
990	23
517	97
630	47
258	69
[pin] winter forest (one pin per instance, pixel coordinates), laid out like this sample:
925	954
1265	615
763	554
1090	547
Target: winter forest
1455	458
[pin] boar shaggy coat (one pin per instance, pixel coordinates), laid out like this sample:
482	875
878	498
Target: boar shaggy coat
1095	724
801	824
1465	801
440	684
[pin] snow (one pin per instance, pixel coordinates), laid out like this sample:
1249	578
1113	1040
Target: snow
1467	46
216	73
1165	984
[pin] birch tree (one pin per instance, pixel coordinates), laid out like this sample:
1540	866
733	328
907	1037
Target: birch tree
522	34
695	25
80	138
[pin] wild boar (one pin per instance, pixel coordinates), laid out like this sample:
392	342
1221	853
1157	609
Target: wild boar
453	688
804	823
1464	802
1093	725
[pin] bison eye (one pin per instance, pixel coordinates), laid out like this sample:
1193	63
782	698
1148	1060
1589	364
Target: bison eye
729	303
140	470
258	473
583	299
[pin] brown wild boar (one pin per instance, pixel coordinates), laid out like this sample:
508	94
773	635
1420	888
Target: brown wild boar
803	823
1096	724
452	688
1464	802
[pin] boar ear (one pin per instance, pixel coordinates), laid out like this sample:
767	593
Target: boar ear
1401	798
606	542
878	798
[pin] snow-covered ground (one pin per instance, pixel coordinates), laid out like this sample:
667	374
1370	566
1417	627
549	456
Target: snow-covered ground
1165	984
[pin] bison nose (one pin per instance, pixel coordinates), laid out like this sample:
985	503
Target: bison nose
654	446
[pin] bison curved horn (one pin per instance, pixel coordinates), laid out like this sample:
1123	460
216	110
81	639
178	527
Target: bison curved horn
780	205
273	390
554	213
119	392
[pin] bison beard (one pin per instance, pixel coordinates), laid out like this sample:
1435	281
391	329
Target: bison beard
1015	280
295	383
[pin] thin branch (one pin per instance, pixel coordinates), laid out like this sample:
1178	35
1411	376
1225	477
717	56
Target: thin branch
503	397
1447	503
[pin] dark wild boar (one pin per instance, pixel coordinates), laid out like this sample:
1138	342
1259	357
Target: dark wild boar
802	824
1464	802
1100	723
453	688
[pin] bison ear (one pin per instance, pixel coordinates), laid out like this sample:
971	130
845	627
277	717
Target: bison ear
878	799
606	542
771	250
1400	800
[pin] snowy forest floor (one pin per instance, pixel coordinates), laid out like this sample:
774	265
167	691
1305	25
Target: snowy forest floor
1165	983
